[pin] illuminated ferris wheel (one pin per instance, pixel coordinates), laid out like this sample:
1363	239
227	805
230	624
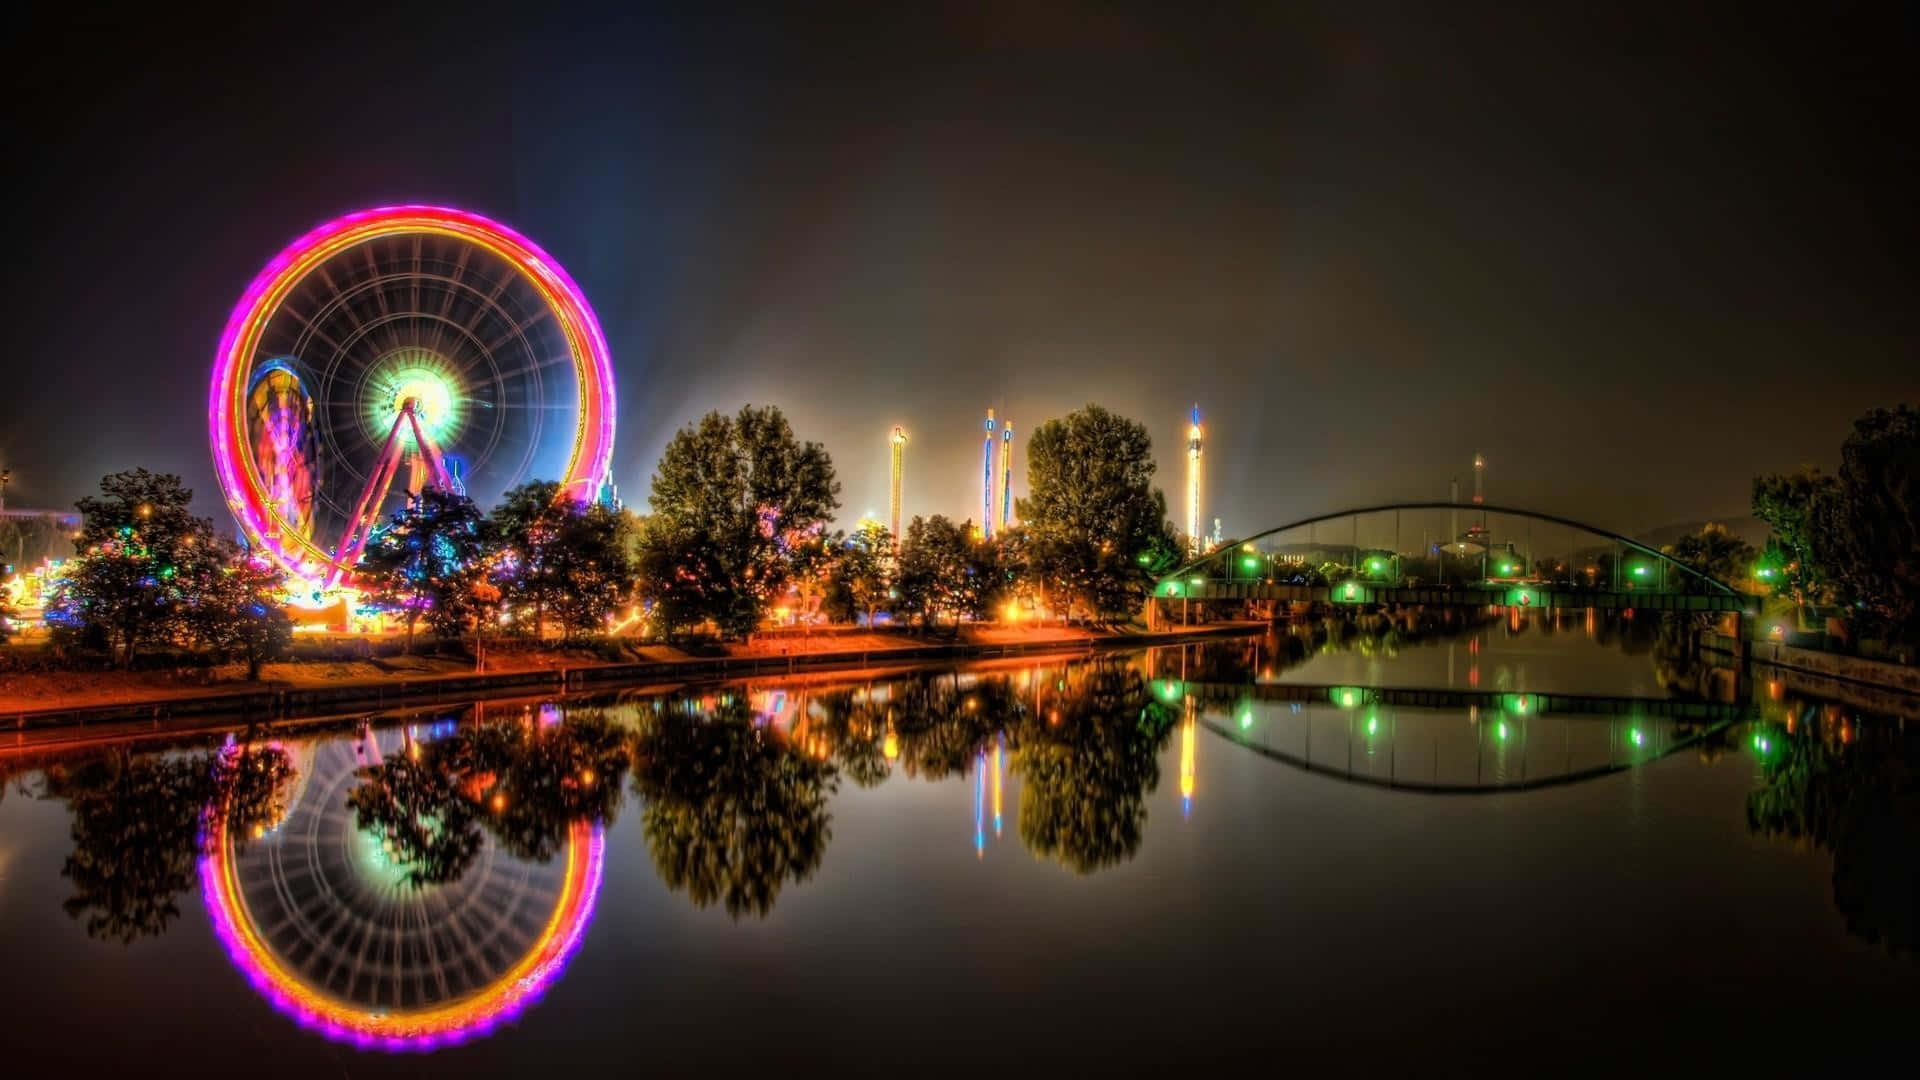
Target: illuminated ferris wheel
392	349
326	926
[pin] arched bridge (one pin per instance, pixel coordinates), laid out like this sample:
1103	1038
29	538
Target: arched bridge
1418	553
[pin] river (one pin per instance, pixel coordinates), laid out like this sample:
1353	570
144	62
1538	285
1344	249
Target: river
1507	844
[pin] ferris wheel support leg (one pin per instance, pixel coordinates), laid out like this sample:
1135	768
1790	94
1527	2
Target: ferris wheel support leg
435	461
372	495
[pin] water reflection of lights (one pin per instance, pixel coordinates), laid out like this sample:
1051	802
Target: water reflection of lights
498	900
979	797
999	763
1187	741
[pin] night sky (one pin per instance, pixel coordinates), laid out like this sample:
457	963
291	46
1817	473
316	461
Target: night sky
1633	260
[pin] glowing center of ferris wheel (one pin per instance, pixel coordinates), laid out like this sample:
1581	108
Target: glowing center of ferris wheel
420	378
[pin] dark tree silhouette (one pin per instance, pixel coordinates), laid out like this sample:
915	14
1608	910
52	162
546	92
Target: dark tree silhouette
139	824
1862	803
732	815
1085	769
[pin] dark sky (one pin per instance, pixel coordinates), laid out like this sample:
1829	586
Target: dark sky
1633	259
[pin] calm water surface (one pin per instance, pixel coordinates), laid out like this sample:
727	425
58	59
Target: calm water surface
1506	845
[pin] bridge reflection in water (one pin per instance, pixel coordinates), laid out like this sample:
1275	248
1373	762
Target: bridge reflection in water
1452	741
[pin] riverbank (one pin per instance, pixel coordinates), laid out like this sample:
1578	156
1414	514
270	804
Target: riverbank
37	700
1881	674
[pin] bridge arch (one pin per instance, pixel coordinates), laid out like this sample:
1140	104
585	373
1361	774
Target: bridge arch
1713	585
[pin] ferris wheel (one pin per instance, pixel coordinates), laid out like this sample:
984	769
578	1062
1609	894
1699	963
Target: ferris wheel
392	349
321	920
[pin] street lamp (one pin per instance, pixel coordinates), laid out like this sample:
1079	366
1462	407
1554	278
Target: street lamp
6	477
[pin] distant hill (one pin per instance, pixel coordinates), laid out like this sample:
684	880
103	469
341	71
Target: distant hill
1745	526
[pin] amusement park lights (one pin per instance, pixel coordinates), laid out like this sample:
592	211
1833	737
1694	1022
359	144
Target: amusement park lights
897	465
1194	543
410	374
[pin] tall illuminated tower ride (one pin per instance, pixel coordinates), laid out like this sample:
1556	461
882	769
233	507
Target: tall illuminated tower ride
1193	485
987	476
1479	480
1006	477
899	444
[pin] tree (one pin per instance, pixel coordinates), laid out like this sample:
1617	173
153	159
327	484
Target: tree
526	524
561	557
141	554
686	580
1714	552
1097	523
589	560
237	610
424	562
863	568
1868	535
1789	504
1013	567
733	498
945	571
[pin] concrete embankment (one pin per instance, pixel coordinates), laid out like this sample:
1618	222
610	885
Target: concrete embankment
1873	685
376	695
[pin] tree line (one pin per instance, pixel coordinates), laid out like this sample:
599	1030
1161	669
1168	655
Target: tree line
738	528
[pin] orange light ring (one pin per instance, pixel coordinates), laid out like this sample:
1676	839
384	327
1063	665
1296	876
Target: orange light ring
428	1029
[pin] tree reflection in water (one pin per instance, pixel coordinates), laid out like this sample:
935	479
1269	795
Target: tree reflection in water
737	805
525	782
1855	792
732	813
1087	766
139	825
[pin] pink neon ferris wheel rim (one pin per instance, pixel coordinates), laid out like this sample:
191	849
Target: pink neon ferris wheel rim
501	1001
592	363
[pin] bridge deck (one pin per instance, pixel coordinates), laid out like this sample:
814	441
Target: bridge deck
1523	596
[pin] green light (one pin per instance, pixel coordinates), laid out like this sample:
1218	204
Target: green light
1640	571
1506	568
1249	563
1141	558
1346	697
1170	689
1501	731
1246	719
1197	581
1375	565
1173	588
1639	738
1373	725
